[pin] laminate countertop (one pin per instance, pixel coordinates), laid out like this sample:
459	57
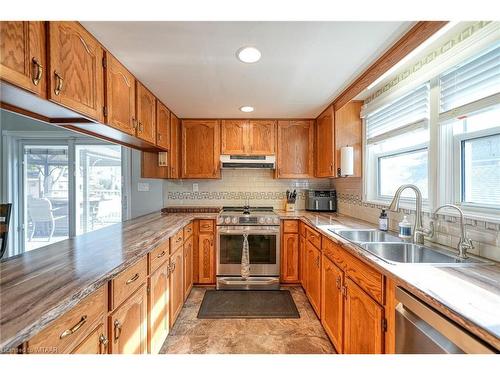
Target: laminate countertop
39	286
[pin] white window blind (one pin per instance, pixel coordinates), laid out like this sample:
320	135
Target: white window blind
407	112
472	80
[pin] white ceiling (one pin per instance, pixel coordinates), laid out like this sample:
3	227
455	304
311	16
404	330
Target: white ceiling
192	66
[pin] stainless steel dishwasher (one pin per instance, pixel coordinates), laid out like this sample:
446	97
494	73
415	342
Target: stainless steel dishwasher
422	330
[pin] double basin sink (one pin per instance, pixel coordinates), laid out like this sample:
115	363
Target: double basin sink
393	250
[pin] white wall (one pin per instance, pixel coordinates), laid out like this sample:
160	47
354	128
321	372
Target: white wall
144	202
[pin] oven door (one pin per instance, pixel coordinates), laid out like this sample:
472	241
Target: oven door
264	250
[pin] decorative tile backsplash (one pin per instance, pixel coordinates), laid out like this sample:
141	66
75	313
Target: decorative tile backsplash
259	186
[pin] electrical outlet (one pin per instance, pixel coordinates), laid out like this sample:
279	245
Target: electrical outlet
195	188
142	186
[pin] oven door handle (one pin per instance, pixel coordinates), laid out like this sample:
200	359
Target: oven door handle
261	230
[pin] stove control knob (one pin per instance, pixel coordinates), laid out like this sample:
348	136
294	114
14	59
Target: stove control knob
220	220
262	220
234	220
227	220
276	221
268	220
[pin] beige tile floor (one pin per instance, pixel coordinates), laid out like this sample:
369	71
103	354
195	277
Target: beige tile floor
190	335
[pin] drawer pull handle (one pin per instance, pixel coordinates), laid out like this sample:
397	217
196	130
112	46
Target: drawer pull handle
39	71
132	279
75	328
59	85
118	329
103	342
161	254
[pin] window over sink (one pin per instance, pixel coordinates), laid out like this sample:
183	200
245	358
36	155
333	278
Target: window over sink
443	136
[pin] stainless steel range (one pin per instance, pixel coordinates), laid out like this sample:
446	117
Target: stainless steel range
262	226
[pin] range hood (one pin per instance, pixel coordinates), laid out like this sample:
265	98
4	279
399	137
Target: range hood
247	162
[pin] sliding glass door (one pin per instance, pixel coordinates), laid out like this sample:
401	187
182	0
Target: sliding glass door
46	199
69	187
98	186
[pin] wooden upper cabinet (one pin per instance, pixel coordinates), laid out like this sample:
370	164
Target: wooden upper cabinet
146	114
76	69
348	132
295	154
175	147
363	332
162	126
120	96
325	144
234	137
262	137
22	55
200	150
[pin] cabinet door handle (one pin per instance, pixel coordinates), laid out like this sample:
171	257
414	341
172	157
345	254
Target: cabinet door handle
331	167
59	84
75	328
132	279
134	123
344	291
159	137
118	329
39	71
338	282
103	344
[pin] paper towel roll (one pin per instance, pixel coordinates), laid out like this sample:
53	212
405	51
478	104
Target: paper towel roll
346	161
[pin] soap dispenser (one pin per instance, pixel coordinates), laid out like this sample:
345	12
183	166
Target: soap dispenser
405	229
383	221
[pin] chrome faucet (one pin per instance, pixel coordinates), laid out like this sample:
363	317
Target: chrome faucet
418	229
464	243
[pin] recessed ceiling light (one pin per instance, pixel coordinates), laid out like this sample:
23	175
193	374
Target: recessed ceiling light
246	108
248	54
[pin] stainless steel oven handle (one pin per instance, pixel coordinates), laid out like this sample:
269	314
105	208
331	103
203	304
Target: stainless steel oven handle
249	230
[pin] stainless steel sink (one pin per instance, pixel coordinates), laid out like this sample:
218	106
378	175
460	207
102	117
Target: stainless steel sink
411	253
365	235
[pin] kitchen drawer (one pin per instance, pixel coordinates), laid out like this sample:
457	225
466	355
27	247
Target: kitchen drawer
158	256
207	226
290	226
302	229
369	279
127	282
176	240
188	231
334	252
73	327
313	237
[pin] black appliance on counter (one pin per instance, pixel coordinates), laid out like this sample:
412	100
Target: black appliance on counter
321	200
5	210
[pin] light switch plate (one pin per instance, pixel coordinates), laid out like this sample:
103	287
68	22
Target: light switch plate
195	188
142	186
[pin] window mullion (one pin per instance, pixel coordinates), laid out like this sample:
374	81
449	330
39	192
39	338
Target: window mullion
435	195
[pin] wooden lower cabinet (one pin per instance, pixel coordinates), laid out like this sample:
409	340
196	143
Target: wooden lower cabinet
176	284
128	325
302	261
158	308
363	330
290	258
206	258
188	266
313	269
332	302
95	343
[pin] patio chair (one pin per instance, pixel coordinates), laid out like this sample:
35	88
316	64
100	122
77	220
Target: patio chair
40	212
